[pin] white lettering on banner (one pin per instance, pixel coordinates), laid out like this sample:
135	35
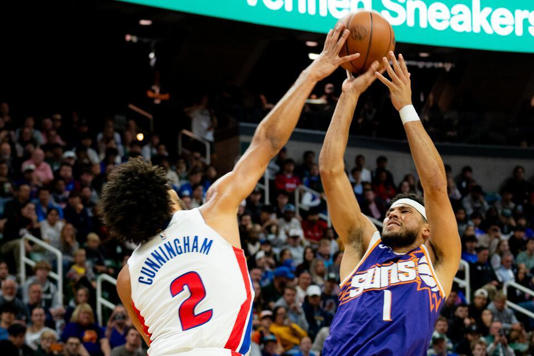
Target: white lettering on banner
411	6
400	16
531	20
438	16
502	21
520	17
480	18
460	18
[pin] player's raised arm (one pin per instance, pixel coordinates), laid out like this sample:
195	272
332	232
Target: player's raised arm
275	129
443	229
354	229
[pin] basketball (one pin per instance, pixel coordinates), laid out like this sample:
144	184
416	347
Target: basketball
371	35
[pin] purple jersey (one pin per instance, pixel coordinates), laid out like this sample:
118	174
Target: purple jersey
387	306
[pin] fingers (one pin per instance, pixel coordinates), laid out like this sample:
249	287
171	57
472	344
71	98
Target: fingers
396	66
342	40
390	70
333	37
404	66
384	80
349	58
349	74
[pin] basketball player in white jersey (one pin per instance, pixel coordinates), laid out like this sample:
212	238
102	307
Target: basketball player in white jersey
186	286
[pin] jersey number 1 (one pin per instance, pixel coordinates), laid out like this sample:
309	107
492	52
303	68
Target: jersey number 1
186	312
386	312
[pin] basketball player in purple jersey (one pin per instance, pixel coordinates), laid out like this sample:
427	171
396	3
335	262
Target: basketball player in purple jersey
393	283
186	286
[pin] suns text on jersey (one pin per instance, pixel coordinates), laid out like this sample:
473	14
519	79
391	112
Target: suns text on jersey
169	250
380	277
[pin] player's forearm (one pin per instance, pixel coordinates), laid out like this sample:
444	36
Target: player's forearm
426	157
337	136
278	125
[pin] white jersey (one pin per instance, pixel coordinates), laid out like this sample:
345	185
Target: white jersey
192	291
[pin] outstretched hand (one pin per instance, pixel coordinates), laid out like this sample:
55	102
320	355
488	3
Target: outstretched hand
399	85
329	59
359	84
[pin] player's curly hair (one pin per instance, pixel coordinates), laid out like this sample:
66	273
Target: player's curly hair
135	203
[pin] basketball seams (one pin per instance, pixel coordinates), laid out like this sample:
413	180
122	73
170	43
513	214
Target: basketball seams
370	42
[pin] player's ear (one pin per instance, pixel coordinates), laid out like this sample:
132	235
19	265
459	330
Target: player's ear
426	231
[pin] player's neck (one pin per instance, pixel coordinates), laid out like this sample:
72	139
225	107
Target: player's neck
406	249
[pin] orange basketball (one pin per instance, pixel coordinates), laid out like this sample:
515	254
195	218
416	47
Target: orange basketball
370	35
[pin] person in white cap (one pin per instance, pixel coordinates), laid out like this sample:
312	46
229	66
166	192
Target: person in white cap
394	282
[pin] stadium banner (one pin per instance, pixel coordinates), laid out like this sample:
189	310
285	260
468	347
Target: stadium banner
499	25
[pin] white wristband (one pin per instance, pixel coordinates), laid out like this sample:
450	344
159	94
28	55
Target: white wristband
408	114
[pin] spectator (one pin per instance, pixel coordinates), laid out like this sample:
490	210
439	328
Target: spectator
81	272
479	348
471	336
501	312
382	186
81	296
294	245
487	319
318	271
469	252
502	249
44	203
518	185
7	317
68	243
504	272
82	326
286	180
517	241
132	346
459	323
491	238
287	223
518	339
51	228
294	309
14	345
315	315
381	165
4	273
527	256
475	202
270	346
329	297
36	328
481	272
440	331
95	257
48	345
42	172
314	228
307	258
305	347
359	161
465	180
289	334
203	120
303	282
439	348
117	327
49	290
9	296
497	341
462	221
371	205
480	302
263	331
274	291
78	215
74	347
356	181
308	161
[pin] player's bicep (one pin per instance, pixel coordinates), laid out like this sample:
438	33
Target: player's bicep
351	225
444	235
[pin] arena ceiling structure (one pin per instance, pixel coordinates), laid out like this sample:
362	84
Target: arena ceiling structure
99	54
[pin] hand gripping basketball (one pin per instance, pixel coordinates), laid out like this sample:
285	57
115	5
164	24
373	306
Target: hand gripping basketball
329	59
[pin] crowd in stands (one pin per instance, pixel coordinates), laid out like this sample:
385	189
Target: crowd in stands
52	171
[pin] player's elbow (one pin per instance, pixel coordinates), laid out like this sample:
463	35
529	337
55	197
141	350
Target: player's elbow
267	141
331	170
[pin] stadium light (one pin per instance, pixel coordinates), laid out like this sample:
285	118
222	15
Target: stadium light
311	43
424	54
140	137
145	22
313	56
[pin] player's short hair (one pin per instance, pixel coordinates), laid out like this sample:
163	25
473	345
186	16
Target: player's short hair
135	201
411	196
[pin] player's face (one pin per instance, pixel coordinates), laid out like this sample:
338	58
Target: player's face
401	226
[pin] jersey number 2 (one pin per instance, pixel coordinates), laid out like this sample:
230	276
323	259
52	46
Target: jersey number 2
186	312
